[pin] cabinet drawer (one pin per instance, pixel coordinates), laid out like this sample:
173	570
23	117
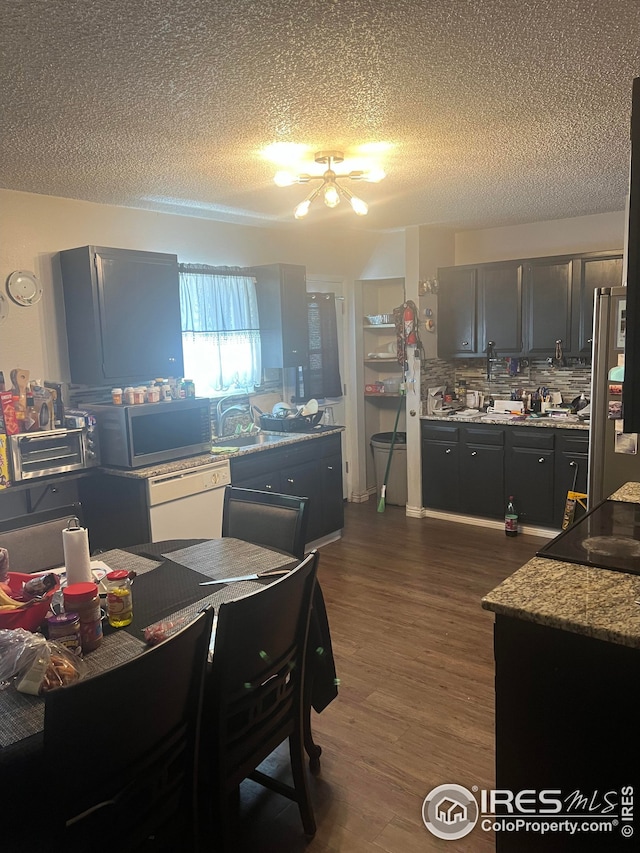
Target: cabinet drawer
440	432
483	435
572	441
534	437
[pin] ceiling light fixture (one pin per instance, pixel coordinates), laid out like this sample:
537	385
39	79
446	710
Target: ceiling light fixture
330	187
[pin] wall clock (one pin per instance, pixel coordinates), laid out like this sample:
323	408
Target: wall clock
24	288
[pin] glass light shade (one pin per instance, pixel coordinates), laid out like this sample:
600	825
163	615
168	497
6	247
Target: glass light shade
375	175
302	209
284	179
360	207
331	195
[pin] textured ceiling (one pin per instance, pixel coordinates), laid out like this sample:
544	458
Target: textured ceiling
483	112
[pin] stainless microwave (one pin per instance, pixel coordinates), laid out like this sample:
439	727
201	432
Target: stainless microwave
55	451
152	433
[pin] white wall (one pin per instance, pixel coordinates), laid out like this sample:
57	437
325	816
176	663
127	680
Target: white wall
33	228
539	239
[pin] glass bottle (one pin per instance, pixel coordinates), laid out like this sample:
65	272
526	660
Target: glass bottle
511	518
119	599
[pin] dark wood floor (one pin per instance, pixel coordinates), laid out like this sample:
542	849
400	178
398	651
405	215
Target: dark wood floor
414	654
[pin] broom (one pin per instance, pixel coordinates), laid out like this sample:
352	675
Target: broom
383	490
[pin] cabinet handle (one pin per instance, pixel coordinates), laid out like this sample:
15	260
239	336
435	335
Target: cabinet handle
289	480
541	460
465	343
474	452
329	467
268	487
448	450
572	464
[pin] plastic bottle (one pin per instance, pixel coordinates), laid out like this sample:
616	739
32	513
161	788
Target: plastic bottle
511	518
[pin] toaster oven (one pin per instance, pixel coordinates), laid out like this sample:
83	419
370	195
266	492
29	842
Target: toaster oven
55	451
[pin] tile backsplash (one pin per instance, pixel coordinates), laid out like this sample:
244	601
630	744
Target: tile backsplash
570	381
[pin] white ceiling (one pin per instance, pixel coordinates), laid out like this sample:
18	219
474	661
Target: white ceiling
492	112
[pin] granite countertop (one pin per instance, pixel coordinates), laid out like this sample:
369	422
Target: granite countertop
569	422
278	439
582	599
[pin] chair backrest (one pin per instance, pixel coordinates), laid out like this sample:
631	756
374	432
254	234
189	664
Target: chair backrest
34	541
266	518
254	698
129	737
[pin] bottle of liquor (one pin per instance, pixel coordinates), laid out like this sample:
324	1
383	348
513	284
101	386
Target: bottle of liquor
511	518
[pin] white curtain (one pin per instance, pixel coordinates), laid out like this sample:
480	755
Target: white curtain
220	329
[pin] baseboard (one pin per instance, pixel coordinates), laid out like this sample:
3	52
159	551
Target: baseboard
324	540
494	523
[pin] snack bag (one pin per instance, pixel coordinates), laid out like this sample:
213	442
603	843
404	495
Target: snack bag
35	664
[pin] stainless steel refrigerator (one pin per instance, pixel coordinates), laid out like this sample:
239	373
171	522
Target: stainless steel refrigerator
614	456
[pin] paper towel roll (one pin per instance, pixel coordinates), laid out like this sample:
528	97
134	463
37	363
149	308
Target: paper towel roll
77	562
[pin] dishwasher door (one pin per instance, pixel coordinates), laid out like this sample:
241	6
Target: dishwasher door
188	505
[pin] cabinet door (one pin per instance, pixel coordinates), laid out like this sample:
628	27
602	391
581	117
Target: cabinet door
589	274
482	471
529	477
122	313
139	301
304	481
282	307
331	494
500	308
572	455
548	305
440	466
457	311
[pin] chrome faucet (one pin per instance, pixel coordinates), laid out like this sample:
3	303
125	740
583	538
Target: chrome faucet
221	413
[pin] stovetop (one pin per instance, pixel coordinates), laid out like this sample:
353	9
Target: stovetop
608	536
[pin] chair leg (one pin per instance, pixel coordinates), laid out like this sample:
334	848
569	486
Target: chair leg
300	784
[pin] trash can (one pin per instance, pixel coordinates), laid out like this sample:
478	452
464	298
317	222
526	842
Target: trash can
396	493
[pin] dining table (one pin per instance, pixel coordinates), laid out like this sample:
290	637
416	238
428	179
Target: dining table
171	586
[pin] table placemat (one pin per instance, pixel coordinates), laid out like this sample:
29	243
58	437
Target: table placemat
228	557
118	559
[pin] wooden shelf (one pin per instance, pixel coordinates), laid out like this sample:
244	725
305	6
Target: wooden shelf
382	361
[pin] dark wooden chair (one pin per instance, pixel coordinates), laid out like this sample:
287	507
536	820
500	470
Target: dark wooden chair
255	695
266	518
126	744
34	541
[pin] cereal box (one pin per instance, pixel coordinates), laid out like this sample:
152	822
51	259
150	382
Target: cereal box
8	413
4	462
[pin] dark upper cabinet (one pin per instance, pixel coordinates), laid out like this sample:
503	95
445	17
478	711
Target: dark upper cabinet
122	312
282	308
548	305
523	306
500	308
458	311
603	270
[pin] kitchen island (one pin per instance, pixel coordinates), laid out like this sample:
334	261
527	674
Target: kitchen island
567	658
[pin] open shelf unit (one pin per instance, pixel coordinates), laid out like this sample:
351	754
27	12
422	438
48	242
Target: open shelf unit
377	410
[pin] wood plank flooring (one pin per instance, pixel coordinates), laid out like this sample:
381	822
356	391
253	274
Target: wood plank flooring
414	655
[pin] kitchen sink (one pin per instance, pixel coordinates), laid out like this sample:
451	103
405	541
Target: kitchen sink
249	440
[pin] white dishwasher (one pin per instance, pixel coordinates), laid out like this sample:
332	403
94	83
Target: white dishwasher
188	504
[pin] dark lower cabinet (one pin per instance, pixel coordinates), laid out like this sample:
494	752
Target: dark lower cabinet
311	469
482	470
572	457
529	473
565	720
474	468
440	466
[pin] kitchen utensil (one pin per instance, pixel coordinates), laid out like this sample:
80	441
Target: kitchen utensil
282	410
271	574
309	408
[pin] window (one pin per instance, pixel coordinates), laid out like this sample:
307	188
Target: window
220	329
